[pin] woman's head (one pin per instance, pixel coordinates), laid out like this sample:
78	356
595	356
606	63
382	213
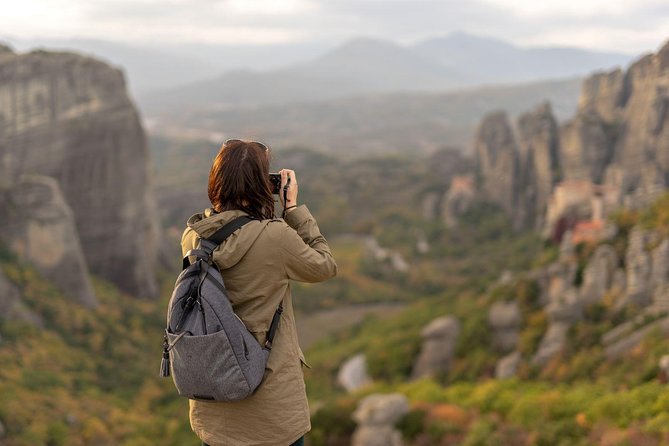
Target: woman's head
239	179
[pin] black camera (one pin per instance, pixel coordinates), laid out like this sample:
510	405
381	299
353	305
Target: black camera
275	181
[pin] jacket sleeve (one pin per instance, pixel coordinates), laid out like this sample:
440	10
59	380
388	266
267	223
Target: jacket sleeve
306	252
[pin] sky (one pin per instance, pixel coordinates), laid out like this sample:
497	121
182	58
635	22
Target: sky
630	26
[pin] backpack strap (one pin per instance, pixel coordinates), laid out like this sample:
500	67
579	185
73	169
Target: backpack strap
273	326
207	245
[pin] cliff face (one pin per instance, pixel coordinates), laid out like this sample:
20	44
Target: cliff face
517	169
69	117
619	137
497	160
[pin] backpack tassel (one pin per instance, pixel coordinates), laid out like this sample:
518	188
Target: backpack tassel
165	363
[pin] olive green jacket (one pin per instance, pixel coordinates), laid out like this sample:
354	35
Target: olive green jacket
257	263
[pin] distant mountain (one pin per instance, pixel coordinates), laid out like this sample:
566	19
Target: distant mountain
379	64
151	67
486	60
364	65
358	66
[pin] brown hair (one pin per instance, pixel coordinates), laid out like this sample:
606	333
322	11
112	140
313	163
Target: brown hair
239	179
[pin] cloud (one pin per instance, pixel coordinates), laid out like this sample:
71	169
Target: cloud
632	25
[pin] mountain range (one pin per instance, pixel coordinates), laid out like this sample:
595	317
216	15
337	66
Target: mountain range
316	70
366	65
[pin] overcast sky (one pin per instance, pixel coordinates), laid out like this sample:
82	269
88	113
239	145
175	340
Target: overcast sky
631	26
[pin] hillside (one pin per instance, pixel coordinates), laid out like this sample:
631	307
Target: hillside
604	384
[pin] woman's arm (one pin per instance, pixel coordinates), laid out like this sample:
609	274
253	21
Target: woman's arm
307	254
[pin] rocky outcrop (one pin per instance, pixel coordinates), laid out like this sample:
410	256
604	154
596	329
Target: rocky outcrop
497	160
598	274
376	416
605	94
562	311
352	374
13	309
458	199
439	339
539	160
508	365
638	268
586	147
618	138
628	342
518	172
69	117
504	319
39	227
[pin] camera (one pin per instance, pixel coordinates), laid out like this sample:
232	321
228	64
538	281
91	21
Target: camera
275	181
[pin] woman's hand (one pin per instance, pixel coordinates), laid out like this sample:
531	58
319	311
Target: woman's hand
291	195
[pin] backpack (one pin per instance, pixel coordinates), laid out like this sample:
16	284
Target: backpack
211	353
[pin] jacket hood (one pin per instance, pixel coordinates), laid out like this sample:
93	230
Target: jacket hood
231	251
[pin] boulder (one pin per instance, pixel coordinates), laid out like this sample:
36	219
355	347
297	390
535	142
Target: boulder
663	364
567	308
422	245
508	365
504	319
560	278
398	262
598	274
352	374
40	228
504	315
552	342
439	340
376	416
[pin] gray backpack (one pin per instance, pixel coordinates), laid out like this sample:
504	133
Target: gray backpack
212	355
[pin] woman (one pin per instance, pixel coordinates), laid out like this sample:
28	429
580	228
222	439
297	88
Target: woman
257	263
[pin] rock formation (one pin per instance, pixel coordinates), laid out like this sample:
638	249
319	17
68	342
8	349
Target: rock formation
352	374
598	274
507	366
497	160
458	199
69	117
39	227
638	267
586	147
376	416
539	160
504	318
439	338
617	138
13	309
